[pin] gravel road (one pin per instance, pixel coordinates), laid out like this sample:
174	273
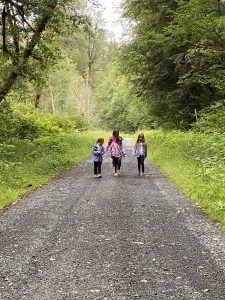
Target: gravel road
115	238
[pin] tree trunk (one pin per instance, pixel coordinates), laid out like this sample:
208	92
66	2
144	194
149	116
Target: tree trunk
28	50
219	7
37	98
53	102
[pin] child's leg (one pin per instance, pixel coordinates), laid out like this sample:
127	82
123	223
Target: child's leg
139	163
115	163
119	164
95	167
99	167
143	164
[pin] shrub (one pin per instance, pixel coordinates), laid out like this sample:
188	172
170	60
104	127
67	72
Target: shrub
212	120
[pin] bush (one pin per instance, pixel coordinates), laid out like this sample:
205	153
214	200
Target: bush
6	124
23	122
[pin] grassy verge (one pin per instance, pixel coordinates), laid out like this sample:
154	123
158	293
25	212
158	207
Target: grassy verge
196	163
26	165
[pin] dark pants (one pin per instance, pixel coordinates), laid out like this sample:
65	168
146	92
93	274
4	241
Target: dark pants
141	163
97	167
116	163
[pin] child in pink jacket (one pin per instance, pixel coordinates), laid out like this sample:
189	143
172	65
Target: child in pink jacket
117	152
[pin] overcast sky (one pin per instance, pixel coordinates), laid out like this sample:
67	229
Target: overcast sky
112	17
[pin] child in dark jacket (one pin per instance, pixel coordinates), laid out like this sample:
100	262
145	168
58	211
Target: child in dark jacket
140	151
98	151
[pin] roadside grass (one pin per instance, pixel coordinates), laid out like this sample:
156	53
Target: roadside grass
196	164
25	165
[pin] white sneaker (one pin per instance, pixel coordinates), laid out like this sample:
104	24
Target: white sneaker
99	175
95	176
115	174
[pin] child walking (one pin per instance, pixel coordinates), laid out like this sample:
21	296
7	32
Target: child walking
117	152
112	139
140	151
98	151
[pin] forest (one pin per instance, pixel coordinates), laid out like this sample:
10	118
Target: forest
65	78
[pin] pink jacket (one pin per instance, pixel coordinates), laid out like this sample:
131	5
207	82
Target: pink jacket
112	139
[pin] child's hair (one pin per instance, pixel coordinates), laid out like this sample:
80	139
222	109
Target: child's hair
119	139
139	136
100	140
116	132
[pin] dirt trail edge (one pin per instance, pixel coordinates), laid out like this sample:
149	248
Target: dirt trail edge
116	238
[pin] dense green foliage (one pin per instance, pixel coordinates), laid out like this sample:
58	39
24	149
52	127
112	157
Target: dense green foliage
23	122
212	119
176	57
196	163
116	104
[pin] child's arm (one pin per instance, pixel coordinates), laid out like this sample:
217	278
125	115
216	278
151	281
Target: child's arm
124	153
146	150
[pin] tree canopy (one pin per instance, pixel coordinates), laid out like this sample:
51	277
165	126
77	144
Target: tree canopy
176	56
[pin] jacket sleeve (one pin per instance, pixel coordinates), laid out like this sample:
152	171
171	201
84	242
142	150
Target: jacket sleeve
109	144
123	151
134	150
95	150
109	148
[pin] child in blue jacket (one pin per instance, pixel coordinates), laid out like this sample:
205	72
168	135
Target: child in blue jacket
98	151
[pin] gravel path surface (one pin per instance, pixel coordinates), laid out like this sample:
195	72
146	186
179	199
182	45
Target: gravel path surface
113	238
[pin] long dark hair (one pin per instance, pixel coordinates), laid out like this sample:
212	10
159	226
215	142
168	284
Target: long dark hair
116	132
141	135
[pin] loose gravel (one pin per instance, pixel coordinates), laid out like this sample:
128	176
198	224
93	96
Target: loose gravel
110	238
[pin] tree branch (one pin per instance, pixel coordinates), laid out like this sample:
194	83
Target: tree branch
42	23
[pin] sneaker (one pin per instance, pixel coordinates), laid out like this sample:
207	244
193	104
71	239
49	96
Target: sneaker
118	172
139	173
95	176
142	174
115	174
99	175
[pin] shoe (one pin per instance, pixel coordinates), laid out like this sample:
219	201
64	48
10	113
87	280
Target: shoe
118	172
142	174
115	174
95	176
139	173
99	175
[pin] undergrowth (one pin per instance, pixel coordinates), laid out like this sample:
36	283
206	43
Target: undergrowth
196	163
